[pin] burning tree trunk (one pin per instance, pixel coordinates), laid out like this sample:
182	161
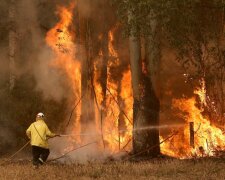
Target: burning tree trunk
121	118
12	43
87	105
105	53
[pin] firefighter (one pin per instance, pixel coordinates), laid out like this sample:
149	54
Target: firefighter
38	133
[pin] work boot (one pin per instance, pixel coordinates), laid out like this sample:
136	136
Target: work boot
41	161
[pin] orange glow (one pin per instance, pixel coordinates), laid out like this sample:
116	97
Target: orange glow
62	42
208	137
115	137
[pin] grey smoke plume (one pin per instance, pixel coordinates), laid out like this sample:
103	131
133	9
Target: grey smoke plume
91	152
48	80
32	58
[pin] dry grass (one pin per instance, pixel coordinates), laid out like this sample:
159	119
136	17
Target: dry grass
157	169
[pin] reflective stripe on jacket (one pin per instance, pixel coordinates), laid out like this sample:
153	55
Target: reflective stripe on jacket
38	133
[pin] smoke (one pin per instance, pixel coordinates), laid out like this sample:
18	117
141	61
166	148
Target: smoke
32	70
39	56
70	150
7	137
87	8
48	79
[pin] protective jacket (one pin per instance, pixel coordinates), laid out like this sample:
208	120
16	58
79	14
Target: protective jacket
38	133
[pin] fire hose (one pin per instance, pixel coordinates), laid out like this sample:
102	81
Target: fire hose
64	135
13	155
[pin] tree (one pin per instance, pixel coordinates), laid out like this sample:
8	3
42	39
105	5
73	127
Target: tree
189	27
146	103
12	43
198	38
87	93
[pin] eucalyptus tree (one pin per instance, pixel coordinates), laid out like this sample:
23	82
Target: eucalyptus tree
144	83
193	28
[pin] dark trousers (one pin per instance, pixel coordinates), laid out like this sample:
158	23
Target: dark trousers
39	152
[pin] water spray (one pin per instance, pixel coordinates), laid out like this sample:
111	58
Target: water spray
128	130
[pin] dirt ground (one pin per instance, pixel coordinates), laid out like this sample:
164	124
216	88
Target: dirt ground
154	169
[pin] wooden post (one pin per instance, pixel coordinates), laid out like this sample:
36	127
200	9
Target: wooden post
192	138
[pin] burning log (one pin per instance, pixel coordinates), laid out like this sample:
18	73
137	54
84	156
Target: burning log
192	137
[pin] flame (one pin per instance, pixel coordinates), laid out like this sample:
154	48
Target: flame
62	42
201	92
208	138
114	136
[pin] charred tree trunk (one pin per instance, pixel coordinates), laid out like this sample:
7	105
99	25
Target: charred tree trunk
136	72
103	80
152	103
105	53
12	43
146	102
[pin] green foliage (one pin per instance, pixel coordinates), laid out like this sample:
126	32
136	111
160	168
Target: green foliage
193	28
166	10
188	25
